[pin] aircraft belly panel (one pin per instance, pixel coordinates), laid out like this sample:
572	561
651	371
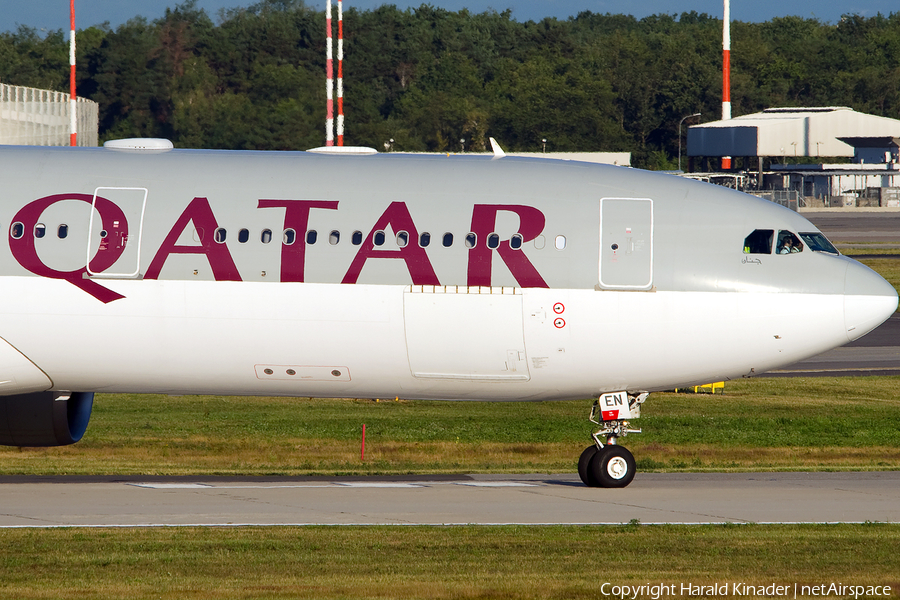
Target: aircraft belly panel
615	340
412	345
469	336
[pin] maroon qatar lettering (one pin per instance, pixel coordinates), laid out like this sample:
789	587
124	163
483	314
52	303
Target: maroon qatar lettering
25	253
484	220
296	217
398	218
200	214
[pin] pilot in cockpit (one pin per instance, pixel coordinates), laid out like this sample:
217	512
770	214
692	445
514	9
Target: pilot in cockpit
788	243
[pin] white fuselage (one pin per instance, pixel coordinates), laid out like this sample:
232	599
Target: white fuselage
179	337
154	273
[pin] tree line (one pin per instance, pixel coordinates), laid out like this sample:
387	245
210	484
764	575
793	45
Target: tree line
426	78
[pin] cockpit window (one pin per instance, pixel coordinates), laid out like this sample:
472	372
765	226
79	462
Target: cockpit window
788	243
759	242
818	243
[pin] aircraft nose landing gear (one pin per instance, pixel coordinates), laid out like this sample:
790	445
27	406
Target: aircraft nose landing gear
611	465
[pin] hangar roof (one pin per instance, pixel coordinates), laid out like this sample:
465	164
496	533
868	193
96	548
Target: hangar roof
788	132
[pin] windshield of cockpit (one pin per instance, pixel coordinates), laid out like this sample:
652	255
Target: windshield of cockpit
764	241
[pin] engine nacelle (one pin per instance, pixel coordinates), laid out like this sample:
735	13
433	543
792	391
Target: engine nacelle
44	418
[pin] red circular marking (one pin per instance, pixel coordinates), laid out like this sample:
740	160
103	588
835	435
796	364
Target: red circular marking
560	323
559	308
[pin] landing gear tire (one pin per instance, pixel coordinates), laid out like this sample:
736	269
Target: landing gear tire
584	470
605	463
611	467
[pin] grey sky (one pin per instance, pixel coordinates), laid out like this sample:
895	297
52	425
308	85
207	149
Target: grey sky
50	15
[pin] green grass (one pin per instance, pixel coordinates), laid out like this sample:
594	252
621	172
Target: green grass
434	562
758	424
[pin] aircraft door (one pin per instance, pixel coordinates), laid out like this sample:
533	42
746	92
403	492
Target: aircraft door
115	231
474	334
626	243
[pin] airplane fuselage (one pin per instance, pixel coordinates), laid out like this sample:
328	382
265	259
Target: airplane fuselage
188	272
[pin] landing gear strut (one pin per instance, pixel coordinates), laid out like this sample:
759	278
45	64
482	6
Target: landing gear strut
611	465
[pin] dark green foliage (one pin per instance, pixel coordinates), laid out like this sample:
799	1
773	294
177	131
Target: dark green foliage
30	60
428	77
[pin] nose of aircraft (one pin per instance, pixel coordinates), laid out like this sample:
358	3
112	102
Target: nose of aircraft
868	300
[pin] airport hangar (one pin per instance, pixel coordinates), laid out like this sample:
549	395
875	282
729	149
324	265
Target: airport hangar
780	142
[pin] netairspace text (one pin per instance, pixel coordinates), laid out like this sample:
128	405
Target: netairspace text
740	589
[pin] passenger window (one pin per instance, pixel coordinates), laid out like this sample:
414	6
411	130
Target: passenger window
424	239
289	237
334	238
788	243
311	236
818	243
493	241
17	231
62	232
539	242
471	239
378	238
356	238
560	242
40	230
243	236
759	242
402	239
448	240
219	235
515	242
266	236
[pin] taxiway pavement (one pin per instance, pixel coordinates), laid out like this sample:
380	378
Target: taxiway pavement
847	227
475	499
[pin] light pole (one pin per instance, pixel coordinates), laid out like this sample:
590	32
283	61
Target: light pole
679	136
73	98
544	142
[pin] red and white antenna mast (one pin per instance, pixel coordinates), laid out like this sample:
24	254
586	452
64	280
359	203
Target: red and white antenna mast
329	79
726	72
340	77
73	122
